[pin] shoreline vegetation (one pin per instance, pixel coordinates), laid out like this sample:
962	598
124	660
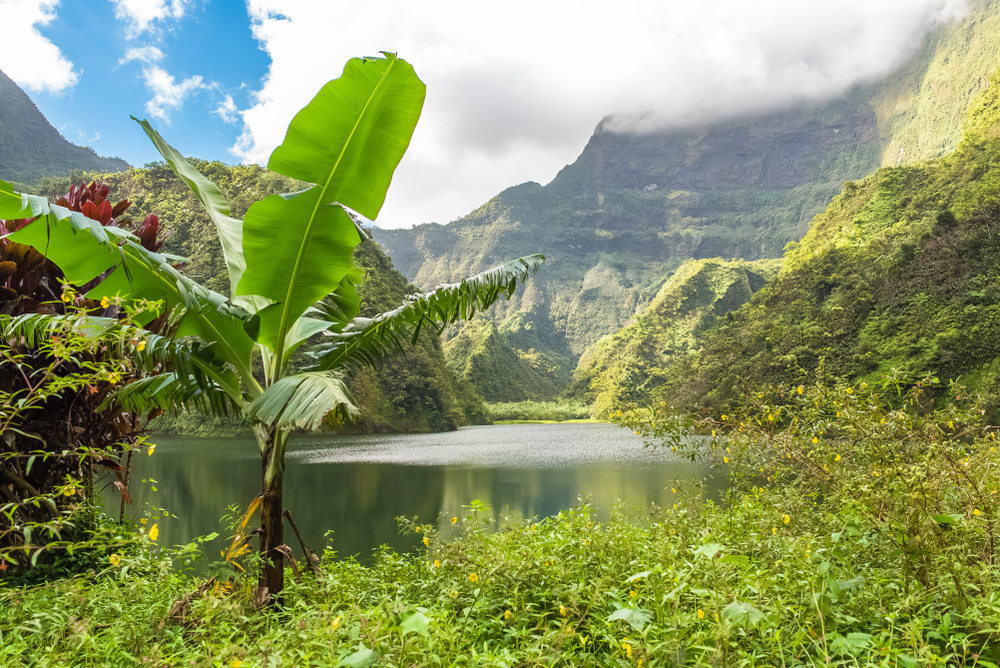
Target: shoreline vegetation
859	529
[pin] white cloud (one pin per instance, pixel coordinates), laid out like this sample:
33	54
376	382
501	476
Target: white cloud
227	110
515	89
168	94
141	14
26	56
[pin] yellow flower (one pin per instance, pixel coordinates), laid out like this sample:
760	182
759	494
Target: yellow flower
67	298
724	418
336	622
154	532
976	512
639	664
427	541
770	417
152	446
951	424
774	530
143	521
113	378
437	564
838	413
562	610
673	489
837	458
115	559
473	577
786	518
801	389
815	439
104	302
663	403
236	663
725	459
141	345
713	432
507	614
454	593
68	491
864	385
454	520
701	614
633	593
628	648
850	391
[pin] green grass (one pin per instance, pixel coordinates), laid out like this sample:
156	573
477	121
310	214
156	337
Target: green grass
563	410
859	530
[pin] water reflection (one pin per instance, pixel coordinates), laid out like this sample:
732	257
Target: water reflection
357	485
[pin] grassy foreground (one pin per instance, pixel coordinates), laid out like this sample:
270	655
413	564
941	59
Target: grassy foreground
859	532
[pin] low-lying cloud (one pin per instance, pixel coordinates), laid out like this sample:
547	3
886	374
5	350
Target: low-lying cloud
515	89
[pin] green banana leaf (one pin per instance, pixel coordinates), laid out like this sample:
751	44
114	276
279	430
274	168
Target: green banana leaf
230	229
370	340
348	141
84	250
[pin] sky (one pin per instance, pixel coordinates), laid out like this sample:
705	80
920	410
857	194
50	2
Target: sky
514	89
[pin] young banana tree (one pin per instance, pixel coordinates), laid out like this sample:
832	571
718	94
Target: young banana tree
291	276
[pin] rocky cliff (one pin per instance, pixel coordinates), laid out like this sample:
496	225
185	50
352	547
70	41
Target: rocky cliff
616	223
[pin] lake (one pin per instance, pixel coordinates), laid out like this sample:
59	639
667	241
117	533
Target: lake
356	486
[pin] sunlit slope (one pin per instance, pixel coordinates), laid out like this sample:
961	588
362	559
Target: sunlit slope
616	223
627	367
901	272
30	148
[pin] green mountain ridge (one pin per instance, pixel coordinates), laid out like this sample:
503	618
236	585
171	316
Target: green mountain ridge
626	368
621	219
30	148
898	276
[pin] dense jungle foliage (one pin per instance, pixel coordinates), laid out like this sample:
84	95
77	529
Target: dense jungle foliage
628	367
632	208
859	529
415	392
899	273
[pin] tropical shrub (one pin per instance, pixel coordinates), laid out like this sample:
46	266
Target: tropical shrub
291	277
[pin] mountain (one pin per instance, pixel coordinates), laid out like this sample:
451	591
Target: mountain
621	219
30	148
629	366
898	277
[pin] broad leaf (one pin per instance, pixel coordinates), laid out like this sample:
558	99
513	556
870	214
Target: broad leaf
189	376
415	621
84	250
742	614
637	618
369	340
230	229
362	658
348	141
303	401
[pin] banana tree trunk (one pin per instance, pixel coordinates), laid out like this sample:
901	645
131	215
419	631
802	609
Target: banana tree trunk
272	450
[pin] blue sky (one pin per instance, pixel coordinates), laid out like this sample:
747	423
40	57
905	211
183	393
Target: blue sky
514	89
212	41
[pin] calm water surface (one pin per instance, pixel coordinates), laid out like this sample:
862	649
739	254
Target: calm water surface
357	485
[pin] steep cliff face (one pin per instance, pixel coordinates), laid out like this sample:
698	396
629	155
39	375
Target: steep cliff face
899	276
616	223
31	148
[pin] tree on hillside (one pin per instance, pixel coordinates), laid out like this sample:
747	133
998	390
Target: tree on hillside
291	274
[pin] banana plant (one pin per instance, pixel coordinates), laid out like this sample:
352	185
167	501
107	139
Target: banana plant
291	275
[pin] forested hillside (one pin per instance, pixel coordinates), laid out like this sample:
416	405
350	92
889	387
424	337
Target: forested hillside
900	273
414	391
623	217
30	148
629	366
